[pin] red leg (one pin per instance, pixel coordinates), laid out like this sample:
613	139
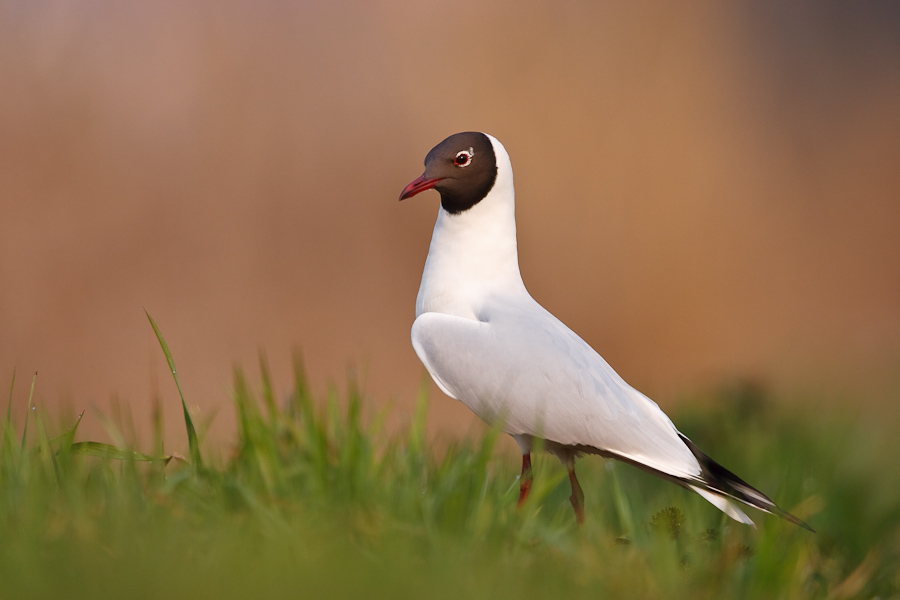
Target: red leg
577	497
525	479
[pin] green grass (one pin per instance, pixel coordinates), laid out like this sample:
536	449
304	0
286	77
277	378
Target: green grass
319	501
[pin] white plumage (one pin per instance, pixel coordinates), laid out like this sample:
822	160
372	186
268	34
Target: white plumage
489	344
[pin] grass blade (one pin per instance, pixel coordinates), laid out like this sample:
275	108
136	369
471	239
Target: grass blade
27	412
44	446
67	438
114	452
623	506
189	424
267	391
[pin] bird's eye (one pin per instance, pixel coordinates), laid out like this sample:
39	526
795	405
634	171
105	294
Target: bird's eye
463	158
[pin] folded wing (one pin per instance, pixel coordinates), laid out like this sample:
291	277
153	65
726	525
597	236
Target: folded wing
523	367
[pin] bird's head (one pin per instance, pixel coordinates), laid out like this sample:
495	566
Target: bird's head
462	168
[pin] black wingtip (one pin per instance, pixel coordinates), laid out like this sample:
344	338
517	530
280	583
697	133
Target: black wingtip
788	516
721	480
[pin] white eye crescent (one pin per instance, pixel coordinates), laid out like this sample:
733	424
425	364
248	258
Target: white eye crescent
464	157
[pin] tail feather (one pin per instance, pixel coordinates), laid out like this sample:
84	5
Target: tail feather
726	506
721	485
722	488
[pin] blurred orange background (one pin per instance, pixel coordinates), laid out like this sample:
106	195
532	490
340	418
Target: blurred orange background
705	192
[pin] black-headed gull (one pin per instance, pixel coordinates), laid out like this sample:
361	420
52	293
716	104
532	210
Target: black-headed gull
489	344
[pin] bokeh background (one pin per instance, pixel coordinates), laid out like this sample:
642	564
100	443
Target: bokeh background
706	192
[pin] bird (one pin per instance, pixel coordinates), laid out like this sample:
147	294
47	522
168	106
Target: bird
487	343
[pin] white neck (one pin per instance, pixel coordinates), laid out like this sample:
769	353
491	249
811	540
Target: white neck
473	254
